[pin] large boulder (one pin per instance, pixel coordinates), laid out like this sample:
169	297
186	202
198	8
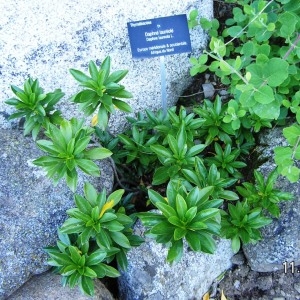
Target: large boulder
281	239
31	209
47	286
44	40
150	277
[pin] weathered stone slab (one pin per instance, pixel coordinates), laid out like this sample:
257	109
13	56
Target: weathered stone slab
150	277
44	40
47	286
31	209
281	239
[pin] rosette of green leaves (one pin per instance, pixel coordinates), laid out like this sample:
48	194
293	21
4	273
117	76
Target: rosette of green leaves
226	161
79	264
242	223
263	193
175	158
191	125
68	151
36	106
136	149
94	220
213	126
191	216
202	178
102	91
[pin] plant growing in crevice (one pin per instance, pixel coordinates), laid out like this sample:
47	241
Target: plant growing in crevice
68	151
189	216
99	234
263	193
242	224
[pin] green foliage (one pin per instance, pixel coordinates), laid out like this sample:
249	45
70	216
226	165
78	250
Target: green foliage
176	157
78	265
213	126
257	56
202	178
36	106
137	148
102	92
226	161
67	151
100	233
263	193
242	223
190	216
285	157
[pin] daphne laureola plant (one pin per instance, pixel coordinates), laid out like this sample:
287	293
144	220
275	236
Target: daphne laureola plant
197	158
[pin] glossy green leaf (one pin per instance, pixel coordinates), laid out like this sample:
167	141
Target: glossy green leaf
175	252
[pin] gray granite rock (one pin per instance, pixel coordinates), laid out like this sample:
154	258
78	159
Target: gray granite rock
150	277
47	286
281	239
45	39
31	209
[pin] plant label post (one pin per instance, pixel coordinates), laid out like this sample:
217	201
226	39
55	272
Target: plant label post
160	37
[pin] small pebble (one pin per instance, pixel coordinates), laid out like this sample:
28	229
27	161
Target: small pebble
208	90
238	259
265	282
237	284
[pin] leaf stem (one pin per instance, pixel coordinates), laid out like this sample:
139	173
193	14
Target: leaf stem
295	147
293	46
242	30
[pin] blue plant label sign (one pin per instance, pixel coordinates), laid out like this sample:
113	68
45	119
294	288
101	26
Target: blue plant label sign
159	36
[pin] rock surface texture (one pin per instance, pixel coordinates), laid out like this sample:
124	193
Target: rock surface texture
44	41
31	209
150	277
48	287
281	239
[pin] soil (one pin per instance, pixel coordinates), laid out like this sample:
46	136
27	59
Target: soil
241	283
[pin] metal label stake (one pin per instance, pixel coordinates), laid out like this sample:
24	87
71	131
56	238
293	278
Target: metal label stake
163	85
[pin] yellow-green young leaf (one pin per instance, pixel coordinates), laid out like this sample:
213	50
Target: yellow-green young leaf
116	196
94	120
248	76
108	205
